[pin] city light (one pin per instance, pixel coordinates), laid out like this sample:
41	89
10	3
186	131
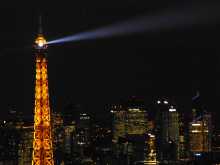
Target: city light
134	110
172	110
195	131
198	154
151	135
158	102
165	102
162	124
196	124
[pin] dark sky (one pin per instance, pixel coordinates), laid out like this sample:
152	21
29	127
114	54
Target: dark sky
171	62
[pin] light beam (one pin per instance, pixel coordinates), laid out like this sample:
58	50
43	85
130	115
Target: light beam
178	18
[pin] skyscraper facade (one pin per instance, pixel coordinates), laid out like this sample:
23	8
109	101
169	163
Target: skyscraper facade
200	134
167	128
130	126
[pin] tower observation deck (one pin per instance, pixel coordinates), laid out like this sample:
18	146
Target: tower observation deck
42	141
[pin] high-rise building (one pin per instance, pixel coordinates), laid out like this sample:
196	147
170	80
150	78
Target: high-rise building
151	155
200	134
130	126
84	129
74	137
167	127
101	144
183	152
136	121
119	132
119	115
58	138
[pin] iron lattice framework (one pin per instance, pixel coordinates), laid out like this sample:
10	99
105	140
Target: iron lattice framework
42	142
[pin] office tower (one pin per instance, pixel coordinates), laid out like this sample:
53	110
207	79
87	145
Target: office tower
83	129
200	134
183	152
151	155
167	127
129	126
119	119
119	133
136	129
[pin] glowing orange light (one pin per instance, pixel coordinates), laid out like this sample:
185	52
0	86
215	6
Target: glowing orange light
40	41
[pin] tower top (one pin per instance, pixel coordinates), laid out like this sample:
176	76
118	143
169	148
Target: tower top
40	41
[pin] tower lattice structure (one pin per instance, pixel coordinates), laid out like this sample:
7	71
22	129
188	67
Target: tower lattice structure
42	142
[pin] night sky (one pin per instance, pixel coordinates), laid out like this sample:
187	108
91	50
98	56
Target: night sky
173	62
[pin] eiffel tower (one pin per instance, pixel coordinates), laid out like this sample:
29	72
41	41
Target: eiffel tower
42	142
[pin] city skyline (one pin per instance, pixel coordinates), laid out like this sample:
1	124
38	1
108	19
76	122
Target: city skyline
168	63
126	83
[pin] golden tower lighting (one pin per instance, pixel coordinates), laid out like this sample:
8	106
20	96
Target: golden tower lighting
42	142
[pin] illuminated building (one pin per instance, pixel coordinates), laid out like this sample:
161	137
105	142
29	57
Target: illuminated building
69	131
119	114
42	142
25	145
129	126
151	155
183	152
200	133
168	129
216	141
64	136
16	139
58	138
9	144
83	129
119	123
196	136
136	130
136	121
76	134
102	144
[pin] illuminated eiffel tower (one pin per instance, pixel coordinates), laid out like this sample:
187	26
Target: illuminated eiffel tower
42	142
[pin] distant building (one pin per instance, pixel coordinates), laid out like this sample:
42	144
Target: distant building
9	144
167	128
101	145
83	128
25	145
136	121
75	134
183	152
130	126
16	139
200	134
118	122
58	137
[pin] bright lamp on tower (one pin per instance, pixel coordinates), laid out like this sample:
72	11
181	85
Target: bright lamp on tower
40	42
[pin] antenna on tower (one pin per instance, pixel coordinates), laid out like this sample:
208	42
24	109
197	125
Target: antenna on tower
40	30
40	42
